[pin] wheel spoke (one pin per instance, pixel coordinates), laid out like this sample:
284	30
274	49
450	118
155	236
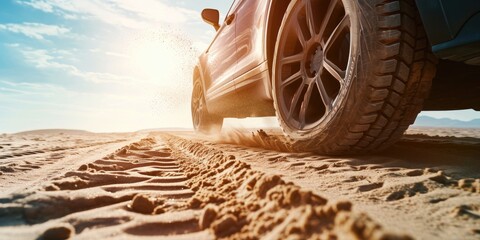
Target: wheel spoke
305	103
294	77
305	70
195	106
198	112
292	59
334	70
310	18
295	100
327	101
301	37
196	116
328	14
336	32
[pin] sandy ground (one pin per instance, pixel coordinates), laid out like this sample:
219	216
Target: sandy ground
237	185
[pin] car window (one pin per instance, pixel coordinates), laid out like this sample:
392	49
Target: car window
232	8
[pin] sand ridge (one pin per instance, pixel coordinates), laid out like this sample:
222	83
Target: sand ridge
106	198
241	203
243	186
426	185
178	189
28	158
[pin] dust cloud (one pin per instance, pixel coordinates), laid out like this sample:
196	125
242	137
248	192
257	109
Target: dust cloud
271	139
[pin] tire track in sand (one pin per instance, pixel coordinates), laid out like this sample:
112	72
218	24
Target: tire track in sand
241	203
134	191
179	189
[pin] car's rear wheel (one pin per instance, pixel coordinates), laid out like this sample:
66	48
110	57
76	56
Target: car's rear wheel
203	121
349	76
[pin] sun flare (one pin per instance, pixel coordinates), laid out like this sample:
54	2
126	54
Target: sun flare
156	60
161	58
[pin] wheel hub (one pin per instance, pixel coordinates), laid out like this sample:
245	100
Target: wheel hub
315	60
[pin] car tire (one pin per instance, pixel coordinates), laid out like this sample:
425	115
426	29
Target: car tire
358	79
203	121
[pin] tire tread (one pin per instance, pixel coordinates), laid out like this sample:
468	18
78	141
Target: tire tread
404	72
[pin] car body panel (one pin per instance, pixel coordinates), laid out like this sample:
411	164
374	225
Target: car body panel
453	28
220	60
244	68
235	69
251	26
250	36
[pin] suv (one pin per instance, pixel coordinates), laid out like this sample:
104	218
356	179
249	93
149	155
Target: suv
342	76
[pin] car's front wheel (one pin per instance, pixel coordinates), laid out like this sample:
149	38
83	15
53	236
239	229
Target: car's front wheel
349	76
203	121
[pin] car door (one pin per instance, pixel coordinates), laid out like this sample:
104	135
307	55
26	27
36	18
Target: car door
221	59
249	25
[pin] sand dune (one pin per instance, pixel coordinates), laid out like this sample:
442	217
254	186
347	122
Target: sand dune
238	185
54	132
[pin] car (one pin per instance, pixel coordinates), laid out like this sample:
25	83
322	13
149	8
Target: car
341	76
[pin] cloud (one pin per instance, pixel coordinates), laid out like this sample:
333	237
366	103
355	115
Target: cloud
44	59
41	5
4	90
41	58
35	30
124	13
43	97
26	88
116	54
58	7
157	11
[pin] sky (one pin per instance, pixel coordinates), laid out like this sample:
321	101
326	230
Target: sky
105	65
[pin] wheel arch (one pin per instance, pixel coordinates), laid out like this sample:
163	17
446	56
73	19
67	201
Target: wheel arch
276	12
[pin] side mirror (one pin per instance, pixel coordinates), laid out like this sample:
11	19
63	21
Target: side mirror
211	16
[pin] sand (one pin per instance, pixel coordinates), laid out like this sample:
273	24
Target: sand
237	185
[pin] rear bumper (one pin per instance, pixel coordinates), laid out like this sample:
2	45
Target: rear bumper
453	28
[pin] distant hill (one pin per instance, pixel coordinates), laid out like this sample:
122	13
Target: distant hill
54	131
165	130
424	121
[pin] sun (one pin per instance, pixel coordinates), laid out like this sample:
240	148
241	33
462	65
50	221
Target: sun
159	58
155	60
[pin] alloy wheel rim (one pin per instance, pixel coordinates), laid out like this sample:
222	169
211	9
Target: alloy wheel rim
197	106
312	60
